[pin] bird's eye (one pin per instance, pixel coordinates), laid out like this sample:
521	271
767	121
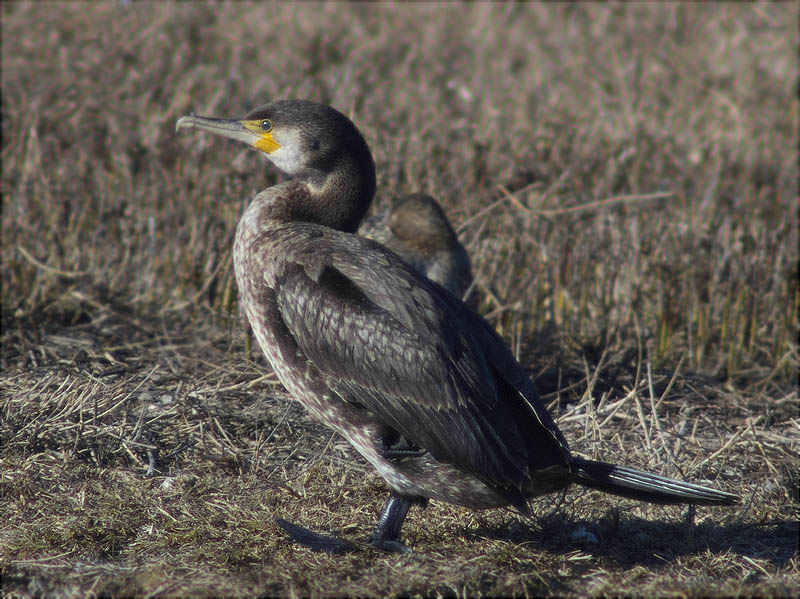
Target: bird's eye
266	125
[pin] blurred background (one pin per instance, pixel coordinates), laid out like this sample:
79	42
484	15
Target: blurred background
602	163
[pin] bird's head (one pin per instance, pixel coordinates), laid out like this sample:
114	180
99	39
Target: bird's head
313	143
302	138
419	220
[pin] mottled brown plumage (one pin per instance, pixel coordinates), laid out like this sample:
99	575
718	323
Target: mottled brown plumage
422	386
416	229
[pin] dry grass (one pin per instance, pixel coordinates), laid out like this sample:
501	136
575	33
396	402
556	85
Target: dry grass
624	178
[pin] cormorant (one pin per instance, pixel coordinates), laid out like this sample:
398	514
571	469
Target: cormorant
416	229
423	387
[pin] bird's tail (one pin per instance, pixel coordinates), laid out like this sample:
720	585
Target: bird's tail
635	484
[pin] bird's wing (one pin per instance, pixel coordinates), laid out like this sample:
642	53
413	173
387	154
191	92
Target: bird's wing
405	349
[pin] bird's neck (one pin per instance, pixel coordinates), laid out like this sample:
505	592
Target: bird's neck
338	200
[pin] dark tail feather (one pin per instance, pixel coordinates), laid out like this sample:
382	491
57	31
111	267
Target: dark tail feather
636	484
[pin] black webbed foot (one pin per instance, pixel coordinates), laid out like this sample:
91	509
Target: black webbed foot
333	545
385	537
389	546
314	540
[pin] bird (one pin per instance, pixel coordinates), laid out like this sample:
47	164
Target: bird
416	229
422	386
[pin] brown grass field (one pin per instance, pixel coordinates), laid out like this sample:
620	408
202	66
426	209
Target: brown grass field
624	178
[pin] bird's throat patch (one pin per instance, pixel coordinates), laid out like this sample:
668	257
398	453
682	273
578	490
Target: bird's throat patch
265	142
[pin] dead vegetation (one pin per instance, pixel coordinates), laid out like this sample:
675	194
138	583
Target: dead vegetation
624	178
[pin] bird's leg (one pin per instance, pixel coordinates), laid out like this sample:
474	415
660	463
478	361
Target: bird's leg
391	521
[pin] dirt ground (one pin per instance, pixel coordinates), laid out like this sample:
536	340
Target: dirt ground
624	179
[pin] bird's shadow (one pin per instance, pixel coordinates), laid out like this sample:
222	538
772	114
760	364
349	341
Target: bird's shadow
632	541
